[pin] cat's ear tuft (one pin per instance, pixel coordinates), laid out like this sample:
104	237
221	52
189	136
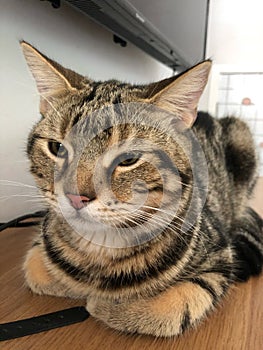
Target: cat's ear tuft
52	80
180	96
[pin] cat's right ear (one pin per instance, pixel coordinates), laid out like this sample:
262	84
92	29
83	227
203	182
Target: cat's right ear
180	94
52	80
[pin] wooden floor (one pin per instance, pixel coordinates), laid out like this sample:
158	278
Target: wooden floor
237	325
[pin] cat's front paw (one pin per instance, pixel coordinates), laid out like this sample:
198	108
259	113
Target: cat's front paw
168	314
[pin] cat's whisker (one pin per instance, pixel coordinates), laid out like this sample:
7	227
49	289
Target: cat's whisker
135	215
174	226
192	186
173	214
204	234
176	229
162	223
113	224
16	184
118	229
170	213
21	161
158	220
11	196
154	219
37	200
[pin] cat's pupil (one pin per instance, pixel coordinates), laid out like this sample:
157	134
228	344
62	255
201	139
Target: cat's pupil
57	149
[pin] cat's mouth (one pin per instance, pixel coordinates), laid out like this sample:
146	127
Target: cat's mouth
113	218
107	219
114	214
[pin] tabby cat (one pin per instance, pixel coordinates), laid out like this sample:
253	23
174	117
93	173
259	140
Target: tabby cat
147	199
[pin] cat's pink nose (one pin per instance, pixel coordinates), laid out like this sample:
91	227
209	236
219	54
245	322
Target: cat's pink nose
78	202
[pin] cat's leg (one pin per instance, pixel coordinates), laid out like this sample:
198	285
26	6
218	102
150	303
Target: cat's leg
37	274
247	234
170	313
41	276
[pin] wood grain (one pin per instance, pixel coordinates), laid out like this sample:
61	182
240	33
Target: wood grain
236	325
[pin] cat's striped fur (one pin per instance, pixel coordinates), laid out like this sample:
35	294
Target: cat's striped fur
171	282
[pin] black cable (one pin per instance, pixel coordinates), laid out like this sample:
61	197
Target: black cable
22	224
21	328
17	222
42	323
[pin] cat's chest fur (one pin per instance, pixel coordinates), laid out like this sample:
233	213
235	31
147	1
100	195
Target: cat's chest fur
115	272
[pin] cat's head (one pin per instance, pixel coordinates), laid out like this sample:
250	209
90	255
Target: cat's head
113	157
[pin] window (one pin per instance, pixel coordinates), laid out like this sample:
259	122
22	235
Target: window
241	95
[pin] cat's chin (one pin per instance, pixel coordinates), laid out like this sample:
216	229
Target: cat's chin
89	230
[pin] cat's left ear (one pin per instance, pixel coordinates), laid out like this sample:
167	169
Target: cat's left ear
53	81
180	95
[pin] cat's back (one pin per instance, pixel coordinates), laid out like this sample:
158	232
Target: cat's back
206	124
229	149
230	141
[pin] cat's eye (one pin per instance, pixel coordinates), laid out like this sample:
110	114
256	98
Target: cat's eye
57	149
128	159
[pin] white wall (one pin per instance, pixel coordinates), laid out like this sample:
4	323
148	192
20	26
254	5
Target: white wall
235	32
73	40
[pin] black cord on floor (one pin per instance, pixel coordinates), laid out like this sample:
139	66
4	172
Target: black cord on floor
18	222
25	327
